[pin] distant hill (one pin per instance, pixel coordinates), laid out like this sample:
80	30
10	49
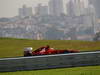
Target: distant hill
12	47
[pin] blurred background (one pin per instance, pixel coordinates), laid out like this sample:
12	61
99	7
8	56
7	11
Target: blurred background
50	19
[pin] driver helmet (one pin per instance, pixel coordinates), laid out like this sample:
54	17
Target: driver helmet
28	49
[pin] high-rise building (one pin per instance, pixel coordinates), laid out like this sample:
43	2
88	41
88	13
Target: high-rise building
92	16
56	7
76	7
83	6
41	10
96	4
71	10
25	11
80	6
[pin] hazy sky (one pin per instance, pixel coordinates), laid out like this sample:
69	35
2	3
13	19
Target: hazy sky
9	8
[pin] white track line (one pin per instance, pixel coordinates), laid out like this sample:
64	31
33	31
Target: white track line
40	56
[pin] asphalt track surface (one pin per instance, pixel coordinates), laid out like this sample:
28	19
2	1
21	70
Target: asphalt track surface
40	56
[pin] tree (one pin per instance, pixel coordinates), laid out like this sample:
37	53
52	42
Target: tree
97	36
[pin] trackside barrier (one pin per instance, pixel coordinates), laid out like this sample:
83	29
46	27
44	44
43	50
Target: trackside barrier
50	61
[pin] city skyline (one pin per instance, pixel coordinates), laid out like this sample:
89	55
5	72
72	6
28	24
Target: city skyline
6	6
49	22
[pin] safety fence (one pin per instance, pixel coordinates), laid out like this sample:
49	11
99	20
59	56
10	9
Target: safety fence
50	61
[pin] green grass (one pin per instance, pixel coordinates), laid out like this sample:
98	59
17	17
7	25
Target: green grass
69	71
10	47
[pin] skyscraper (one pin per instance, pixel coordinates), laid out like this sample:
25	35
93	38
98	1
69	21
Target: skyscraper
92	17
96	4
79	6
25	11
56	7
83	6
71	10
41	10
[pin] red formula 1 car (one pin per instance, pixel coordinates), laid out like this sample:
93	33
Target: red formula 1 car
47	51
52	51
